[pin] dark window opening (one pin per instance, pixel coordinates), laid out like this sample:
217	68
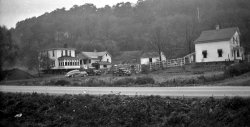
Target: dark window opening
219	52
105	66
62	53
150	60
89	61
66	63
238	53
53	53
84	61
107	60
204	53
66	52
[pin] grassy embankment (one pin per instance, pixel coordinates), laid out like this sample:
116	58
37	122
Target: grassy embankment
237	75
112	110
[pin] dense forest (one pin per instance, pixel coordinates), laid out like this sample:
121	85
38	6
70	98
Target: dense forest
171	25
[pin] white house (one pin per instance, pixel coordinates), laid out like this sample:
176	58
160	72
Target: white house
63	58
219	45
152	57
95	59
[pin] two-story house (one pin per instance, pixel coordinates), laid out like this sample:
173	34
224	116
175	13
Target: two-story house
219	45
95	59
64	58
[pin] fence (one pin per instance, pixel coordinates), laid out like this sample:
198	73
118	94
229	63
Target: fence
172	62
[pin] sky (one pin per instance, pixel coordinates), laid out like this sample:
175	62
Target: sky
12	11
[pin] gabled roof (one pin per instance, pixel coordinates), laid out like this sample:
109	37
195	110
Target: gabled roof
216	35
150	55
94	55
128	57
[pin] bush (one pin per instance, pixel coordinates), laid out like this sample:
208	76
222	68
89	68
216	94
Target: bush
62	83
144	80
145	69
124	81
113	110
237	69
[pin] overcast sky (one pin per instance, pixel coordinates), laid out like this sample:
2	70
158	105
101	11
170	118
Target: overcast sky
12	11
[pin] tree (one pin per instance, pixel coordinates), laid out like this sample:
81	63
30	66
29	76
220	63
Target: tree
45	62
158	36
8	50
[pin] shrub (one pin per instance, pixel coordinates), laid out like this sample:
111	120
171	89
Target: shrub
144	80
62	83
124	81
145	69
237	69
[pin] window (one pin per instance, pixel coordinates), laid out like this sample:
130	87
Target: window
219	51
106	54
204	53
150	60
238	53
66	52
69	53
66	63
84	61
89	60
53	53
107	60
105	66
62	53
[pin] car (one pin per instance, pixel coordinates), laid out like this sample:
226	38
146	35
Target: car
122	72
76	73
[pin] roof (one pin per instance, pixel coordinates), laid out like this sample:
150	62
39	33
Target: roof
104	63
67	57
128	57
59	49
94	54
150	54
216	35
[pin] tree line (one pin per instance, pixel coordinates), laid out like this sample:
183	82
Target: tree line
170	26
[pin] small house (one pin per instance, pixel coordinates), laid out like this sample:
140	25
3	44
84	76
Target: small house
152	57
219	45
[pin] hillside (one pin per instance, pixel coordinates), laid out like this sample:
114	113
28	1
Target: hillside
126	27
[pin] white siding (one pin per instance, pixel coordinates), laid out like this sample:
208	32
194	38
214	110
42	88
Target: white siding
212	53
154	59
106	57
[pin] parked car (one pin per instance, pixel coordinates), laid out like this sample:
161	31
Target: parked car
76	73
93	71
122	72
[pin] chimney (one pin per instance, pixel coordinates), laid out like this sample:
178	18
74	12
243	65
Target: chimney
217	27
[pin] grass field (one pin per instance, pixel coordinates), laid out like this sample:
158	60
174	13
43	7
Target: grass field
111	110
162	78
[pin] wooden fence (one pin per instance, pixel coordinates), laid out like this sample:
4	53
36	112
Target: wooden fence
178	62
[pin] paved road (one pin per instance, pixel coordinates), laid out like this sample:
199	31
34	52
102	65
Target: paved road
202	91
